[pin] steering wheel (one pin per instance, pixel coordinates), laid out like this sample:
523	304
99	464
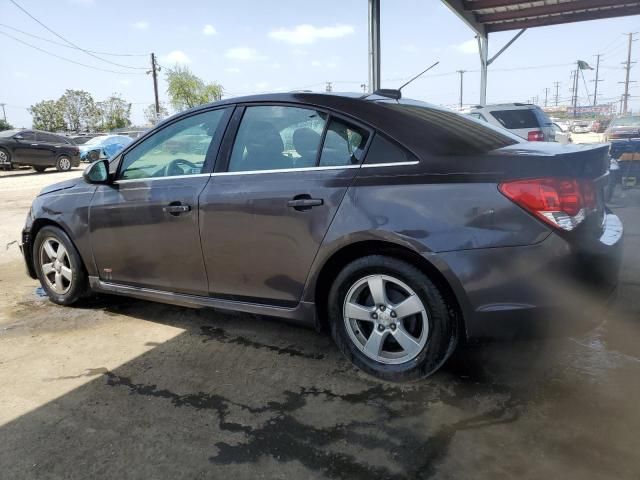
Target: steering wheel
175	167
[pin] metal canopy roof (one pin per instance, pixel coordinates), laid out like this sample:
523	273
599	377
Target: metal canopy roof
486	16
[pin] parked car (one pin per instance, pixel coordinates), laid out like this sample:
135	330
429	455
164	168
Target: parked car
102	147
82	139
525	120
600	125
401	227
623	128
580	126
40	150
561	135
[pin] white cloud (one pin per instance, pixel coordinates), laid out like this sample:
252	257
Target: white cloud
232	70
176	57
244	54
209	30
140	25
318	63
305	34
262	85
468	47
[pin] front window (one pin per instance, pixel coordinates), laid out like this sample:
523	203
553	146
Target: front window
178	149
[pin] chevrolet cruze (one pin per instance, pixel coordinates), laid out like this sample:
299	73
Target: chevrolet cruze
400	227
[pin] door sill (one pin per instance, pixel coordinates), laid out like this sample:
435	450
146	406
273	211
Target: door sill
303	313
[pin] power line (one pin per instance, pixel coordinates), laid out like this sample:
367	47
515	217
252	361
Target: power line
73	44
68	59
69	46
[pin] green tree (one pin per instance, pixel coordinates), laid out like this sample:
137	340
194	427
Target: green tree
186	90
4	125
114	112
47	115
150	113
79	110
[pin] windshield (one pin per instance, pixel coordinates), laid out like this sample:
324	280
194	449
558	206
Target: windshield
8	133
626	122
95	141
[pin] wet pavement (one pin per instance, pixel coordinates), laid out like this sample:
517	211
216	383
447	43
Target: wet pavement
128	389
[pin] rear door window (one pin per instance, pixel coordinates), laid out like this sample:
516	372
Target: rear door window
383	150
515	119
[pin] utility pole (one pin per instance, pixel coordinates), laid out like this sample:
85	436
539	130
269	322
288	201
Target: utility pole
328	87
627	65
557	85
546	95
574	97
461	72
364	87
154	73
4	114
597	80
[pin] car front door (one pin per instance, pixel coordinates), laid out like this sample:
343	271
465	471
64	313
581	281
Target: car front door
49	145
263	217
144	226
26	149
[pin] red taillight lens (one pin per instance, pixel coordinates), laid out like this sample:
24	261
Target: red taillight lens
535	136
560	202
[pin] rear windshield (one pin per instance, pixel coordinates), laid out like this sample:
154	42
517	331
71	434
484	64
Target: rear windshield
626	122
452	133
514	119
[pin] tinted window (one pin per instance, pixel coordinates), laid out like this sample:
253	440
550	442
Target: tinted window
31	136
383	150
277	137
49	138
178	149
513	119
343	144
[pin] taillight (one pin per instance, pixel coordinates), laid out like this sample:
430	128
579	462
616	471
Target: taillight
535	136
563	203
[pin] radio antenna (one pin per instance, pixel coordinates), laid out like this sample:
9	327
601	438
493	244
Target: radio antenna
419	75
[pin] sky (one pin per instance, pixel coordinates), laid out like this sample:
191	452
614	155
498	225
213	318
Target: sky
260	46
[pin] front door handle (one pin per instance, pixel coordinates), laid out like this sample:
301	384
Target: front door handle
176	208
304	202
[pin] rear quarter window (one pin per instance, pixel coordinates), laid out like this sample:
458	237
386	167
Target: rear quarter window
383	150
514	119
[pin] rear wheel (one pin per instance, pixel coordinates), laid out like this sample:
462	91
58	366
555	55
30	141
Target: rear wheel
63	164
390	319
5	159
59	266
39	169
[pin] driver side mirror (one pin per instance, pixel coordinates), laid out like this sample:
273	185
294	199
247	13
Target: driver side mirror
97	172
18	137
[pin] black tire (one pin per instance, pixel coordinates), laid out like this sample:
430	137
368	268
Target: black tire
442	321
63	163
7	158
78	286
39	169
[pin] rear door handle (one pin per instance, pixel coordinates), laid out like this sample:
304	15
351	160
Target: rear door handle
176	209
304	202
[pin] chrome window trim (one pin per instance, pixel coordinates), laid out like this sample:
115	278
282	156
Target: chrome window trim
285	170
390	164
147	179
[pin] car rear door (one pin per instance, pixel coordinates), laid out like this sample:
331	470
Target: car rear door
283	172
49	146
144	227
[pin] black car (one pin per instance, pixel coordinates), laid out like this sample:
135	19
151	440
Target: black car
37	149
401	227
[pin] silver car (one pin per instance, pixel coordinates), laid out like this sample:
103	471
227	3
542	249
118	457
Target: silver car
525	120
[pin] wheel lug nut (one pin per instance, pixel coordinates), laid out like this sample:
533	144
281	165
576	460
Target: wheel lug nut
393	314
381	327
382	308
393	326
374	315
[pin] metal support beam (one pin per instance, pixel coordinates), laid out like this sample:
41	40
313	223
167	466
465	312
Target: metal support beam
374	45
483	48
507	45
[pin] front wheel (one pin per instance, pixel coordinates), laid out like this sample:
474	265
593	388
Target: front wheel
59	266
390	319
63	164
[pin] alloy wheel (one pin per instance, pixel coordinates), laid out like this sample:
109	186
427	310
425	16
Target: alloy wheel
64	163
386	320
56	265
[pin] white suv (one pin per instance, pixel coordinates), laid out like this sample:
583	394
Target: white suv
525	120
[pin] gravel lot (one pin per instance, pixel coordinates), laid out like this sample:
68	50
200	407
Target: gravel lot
128	389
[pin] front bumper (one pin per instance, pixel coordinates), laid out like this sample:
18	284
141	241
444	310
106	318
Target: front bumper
551	288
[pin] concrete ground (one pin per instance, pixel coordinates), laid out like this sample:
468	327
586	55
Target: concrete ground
128	389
